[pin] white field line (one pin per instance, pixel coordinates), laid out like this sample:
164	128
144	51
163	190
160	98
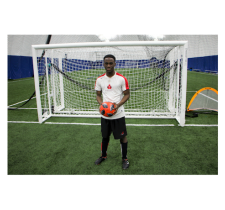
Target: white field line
135	125
62	123
100	124
23	101
149	125
26	108
21	122
20	102
206	125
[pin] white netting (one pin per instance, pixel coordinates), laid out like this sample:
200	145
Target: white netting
152	73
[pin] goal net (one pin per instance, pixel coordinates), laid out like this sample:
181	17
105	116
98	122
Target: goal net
156	72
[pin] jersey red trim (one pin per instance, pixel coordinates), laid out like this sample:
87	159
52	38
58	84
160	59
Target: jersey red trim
126	81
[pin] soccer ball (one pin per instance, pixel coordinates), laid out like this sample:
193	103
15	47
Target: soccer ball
106	109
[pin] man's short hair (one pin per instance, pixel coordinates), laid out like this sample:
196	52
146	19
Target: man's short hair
110	56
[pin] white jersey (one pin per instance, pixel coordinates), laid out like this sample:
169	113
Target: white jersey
112	90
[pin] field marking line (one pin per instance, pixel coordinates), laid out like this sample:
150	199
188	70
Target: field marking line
149	125
135	125
22	122
18	103
24	101
63	123
206	125
23	108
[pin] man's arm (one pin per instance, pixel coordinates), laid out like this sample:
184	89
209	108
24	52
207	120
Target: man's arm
99	97
124	99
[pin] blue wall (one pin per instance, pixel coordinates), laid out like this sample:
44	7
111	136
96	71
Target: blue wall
204	63
22	66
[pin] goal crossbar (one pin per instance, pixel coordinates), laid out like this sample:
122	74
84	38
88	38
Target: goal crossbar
110	44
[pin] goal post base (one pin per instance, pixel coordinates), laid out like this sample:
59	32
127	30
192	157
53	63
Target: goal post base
127	116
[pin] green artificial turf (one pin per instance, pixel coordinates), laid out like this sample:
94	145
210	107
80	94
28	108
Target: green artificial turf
72	149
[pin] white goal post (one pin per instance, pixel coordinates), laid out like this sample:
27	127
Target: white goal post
65	76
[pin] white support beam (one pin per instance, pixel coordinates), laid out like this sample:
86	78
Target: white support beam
110	44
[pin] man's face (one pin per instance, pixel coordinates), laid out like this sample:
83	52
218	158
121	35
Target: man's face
109	64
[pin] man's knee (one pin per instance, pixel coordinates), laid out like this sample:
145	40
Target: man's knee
123	140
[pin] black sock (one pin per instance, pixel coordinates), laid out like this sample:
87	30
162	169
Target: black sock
105	143
124	150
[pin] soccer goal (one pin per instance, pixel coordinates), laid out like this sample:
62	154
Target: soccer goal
65	76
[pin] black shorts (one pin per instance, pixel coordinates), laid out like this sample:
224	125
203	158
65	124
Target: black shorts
117	126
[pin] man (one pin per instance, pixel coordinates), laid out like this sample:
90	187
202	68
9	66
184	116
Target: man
114	88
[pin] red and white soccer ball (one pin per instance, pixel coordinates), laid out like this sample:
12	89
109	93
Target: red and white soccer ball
107	109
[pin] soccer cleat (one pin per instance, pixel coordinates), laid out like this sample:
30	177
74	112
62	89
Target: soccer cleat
97	162
125	164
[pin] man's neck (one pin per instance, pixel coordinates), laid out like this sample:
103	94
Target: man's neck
110	74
